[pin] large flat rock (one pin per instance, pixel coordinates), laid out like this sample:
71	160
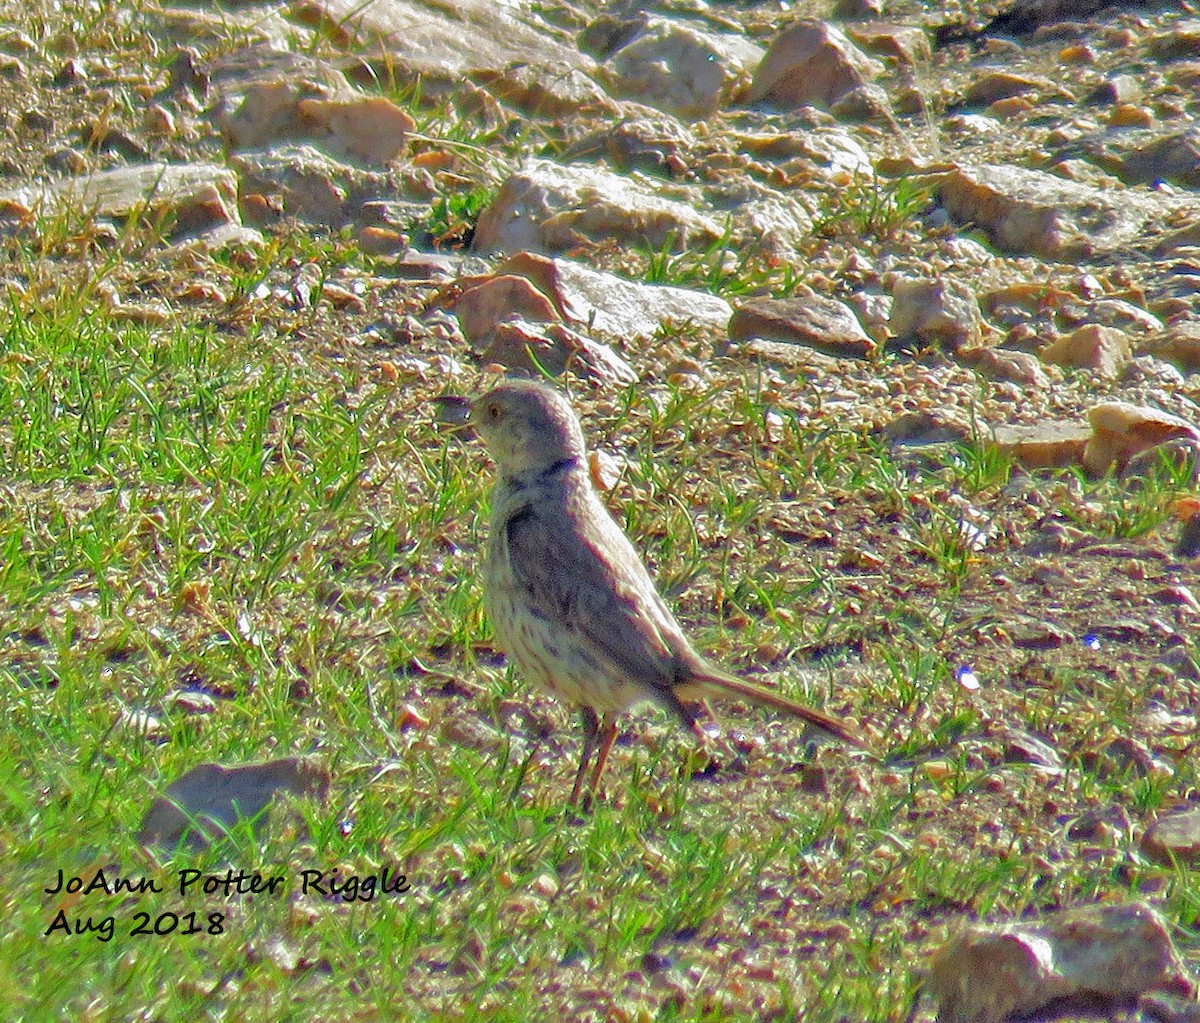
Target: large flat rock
1030	211
453	38
545	207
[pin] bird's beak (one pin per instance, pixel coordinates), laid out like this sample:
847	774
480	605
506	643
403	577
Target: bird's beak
453	411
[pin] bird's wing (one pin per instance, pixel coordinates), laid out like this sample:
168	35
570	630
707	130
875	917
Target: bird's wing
598	587
576	567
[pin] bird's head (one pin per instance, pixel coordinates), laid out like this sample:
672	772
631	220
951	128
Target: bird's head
527	426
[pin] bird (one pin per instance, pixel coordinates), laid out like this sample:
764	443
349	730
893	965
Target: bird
569	599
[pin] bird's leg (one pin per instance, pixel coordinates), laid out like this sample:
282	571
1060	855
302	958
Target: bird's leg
591	729
706	733
713	746
608	733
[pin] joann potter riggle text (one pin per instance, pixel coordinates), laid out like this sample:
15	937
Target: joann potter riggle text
194	883
350	887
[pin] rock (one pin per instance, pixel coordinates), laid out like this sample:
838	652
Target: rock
199	197
148	314
797	358
1186	238
1187	511
141	724
827	151
1100	824
608	32
258	87
866	103
774	223
941	312
1048	444
1078	53
210	799
107	140
532	289
929	426
1038	213
852	10
36	121
1104	955
1181	40
210	28
17	42
810	63
307	286
1122	756
1002	364
300	181
373	129
975	127
1176	660
1117	90
71	73
267	97
68	162
448	42
1112	312
188	74
1131	115
1141	157
1166	1008
874	311
550	89
1105	350
1040	636
545	207
1021	747
1109	822
611	304
554	348
1145	369
1027	16
188	701
656	144
482	307
807	318
910	100
1184	75
998	85
1015	108
1121	430
381	241
158	121
1183	597
1180	456
1179	344
909	44
676	67
222	237
422	266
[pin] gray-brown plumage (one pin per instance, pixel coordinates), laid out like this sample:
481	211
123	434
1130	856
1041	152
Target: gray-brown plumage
567	595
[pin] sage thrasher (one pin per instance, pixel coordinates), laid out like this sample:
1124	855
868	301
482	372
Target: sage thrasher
567	595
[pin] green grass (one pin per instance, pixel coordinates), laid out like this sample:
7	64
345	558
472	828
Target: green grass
186	508
149	466
726	266
452	217
873	206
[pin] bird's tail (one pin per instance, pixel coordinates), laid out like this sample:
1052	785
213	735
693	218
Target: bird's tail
715	683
